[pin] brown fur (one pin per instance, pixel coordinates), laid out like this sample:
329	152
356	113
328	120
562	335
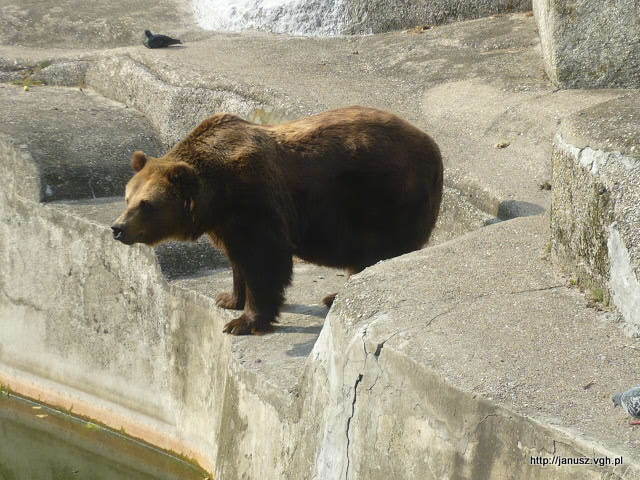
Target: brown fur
345	189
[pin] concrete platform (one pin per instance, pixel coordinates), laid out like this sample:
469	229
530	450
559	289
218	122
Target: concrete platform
495	358
80	24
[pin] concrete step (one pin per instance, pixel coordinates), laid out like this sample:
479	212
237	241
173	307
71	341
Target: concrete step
198	268
595	217
70	143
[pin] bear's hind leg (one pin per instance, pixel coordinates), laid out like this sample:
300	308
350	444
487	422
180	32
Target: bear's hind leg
329	299
266	267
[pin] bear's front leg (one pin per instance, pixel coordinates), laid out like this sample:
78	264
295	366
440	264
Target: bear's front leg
247	325
234	300
266	272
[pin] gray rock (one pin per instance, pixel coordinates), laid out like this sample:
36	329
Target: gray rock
372	16
590	43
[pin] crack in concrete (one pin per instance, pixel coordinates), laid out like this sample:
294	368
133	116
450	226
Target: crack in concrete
380	345
541	289
19	301
475	431
353	411
555	447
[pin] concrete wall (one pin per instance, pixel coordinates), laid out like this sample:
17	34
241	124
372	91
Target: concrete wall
595	220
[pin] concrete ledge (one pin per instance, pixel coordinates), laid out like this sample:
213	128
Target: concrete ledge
490	367
595	215
72	143
173	110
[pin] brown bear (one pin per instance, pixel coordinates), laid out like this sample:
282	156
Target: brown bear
345	189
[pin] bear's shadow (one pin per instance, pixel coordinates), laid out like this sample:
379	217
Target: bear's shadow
303	349
319	311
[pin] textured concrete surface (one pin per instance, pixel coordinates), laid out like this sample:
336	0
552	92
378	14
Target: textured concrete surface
330	17
471	85
78	142
595	217
590	43
81	24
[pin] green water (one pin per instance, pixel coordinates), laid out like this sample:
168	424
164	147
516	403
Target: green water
40	443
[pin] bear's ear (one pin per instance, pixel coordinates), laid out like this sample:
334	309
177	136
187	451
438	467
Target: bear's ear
138	160
183	176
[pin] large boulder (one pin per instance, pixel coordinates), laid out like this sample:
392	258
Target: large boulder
590	43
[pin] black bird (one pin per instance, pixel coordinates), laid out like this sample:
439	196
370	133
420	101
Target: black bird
159	41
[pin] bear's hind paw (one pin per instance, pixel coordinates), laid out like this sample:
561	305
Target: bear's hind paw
328	300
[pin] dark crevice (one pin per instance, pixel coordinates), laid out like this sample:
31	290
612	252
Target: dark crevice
353	410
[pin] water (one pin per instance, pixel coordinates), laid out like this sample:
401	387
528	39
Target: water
294	17
39	443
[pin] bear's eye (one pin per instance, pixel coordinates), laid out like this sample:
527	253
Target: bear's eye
145	206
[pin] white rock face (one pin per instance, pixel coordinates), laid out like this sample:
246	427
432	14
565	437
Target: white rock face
298	17
341	17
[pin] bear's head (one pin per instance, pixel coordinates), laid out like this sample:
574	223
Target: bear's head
160	202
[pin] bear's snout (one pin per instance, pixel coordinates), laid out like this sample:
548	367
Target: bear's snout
118	232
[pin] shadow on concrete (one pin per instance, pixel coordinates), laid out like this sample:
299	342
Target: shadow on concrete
517	208
302	349
319	311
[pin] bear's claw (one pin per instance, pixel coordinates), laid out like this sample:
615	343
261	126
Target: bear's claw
229	301
245	325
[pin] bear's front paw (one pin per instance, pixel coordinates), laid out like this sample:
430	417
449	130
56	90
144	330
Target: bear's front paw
229	301
246	325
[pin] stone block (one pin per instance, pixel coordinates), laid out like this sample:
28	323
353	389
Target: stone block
590	43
